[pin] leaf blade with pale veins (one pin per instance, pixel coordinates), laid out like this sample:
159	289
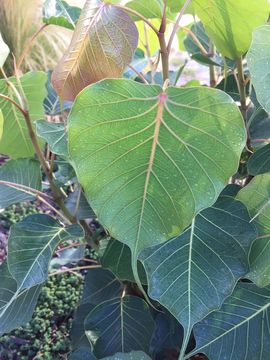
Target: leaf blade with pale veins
103	44
256	197
31	245
192	274
240	329
183	144
23	173
16	142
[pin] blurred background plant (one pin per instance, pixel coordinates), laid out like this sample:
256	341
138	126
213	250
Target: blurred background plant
20	20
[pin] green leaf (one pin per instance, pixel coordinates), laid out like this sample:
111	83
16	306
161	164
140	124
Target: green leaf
146	33
16	141
150	9
176	5
230	23
17	180
100	285
256	197
103	44
259	162
77	204
1	124
258	59
117	258
16	307
119	325
192	274
229	85
162	156
58	12
240	329
133	355
83	353
31	245
4	51
55	135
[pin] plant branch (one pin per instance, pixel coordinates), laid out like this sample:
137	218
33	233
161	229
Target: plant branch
212	70
29	44
25	189
140	75
162	43
7	98
136	13
176	25
78	268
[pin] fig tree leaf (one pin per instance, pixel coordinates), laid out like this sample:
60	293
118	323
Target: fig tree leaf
1	124
256	197
259	162
55	135
192	274
150	9
230	23
31	244
58	12
119	325
133	355
162	156
17	180
4	51
240	329
103	44
16	307
16	141
258	59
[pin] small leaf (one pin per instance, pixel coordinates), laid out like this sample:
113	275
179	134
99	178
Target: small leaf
31	245
55	135
162	156
240	329
77	204
256	197
100	285
67	256
51	103
133	355
16	307
4	51
83	353
117	258
229	85
192	274
258	59
259	162
16	142
103	44
58	12
119	325
230	23
20	176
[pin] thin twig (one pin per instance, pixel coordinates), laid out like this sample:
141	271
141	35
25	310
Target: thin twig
78	268
176	25
54	209
25	189
140	75
162	43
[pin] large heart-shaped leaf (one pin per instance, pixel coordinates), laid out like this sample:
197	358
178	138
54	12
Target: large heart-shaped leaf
4	51
16	307
103	44
149	160
58	12
256	197
192	274
230	23
31	245
239	330
120	325
16	141
17	180
258	59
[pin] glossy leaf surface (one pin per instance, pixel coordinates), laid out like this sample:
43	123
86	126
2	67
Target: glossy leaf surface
15	141
55	135
258	59
259	162
16	307
182	144
192	274
230	23
18	178
103	44
240	329
31	245
119	325
256	197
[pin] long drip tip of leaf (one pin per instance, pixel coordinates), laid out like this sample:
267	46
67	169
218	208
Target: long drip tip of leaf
134	264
